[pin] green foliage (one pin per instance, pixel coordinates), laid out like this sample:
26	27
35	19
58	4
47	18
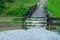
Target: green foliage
30	2
17	20
11	0
1	6
15	7
18	11
54	7
58	29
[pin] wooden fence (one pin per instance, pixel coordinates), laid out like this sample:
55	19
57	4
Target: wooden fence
50	19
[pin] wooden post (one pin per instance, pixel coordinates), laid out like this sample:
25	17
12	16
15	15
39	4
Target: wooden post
47	15
23	23
47	20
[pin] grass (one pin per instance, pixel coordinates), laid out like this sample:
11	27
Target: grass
58	29
10	28
10	23
18	7
11	20
54	7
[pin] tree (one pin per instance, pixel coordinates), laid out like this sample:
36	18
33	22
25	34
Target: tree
1	6
11	0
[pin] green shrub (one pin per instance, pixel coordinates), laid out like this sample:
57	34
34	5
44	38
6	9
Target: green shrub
53	6
58	30
1	6
11	0
17	11
15	7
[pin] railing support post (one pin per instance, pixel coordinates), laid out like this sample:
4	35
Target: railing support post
47	15
23	23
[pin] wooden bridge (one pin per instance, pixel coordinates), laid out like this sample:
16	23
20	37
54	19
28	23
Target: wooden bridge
23	23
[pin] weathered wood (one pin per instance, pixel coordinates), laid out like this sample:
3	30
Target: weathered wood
50	18
32	10
54	18
57	24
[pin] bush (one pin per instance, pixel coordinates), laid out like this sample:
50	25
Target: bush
11	0
2	7
17	11
58	30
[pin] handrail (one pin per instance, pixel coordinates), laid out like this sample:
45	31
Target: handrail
22	21
54	18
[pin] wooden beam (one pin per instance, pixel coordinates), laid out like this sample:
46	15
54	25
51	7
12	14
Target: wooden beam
54	18
57	24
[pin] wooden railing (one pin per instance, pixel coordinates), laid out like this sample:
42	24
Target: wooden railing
22	22
49	18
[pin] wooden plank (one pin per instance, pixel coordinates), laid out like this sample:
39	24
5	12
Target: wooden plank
54	18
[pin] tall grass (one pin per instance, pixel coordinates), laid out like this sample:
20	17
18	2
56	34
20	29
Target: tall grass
58	29
54	7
